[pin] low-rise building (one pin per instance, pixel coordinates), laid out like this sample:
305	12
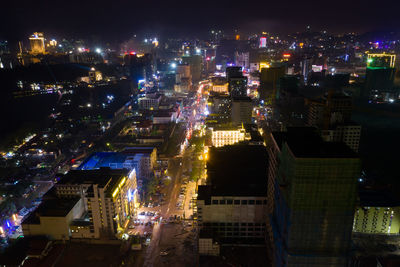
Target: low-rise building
53	218
229	135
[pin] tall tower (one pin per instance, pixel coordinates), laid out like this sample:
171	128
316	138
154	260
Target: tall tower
37	43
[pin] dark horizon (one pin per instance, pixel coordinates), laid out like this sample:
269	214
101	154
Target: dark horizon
120	19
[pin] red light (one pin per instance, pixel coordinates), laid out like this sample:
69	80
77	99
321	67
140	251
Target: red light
208	58
286	55
132	53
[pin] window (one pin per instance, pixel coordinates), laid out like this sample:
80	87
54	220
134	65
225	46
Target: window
258	202
222	202
215	202
237	202
229	202
244	202
251	202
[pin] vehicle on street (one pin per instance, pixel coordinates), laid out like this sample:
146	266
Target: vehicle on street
163	253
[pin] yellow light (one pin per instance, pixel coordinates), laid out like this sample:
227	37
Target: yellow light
122	182
115	192
264	65
14	217
1	230
126	223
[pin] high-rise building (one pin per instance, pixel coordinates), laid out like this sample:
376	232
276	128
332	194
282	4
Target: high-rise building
37	43
232	206
332	115
242	59
379	79
234	72
312	189
196	65
238	86
269	83
242	108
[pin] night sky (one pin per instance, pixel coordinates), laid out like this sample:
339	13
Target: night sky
122	18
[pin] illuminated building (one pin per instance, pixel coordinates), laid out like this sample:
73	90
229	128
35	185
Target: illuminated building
379	79
222	136
53	217
263	65
37	43
219	85
150	102
95	75
196	64
312	189
263	42
242	108
219	107
381	60
242	59
109	195
377	213
232	206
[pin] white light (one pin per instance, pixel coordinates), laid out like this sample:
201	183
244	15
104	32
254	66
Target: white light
89	105
98	50
391	100
198	51
173	65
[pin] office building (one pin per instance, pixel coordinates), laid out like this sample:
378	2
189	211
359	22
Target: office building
219	107
232	206
234	72
149	159
242	59
238	86
348	133
150	102
312	190
379	79
377	213
242	108
269	83
36	41
195	63
110	199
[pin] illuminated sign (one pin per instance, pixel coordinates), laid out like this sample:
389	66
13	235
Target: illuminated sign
263	42
316	68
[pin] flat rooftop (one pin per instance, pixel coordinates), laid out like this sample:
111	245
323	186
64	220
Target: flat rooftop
373	198
236	170
101	177
55	207
305	142
113	160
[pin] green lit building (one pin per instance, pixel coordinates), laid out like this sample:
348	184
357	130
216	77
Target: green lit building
377	213
379	79
311	199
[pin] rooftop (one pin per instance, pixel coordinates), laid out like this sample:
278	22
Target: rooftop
113	160
101	177
56	207
305	142
372	198
237	170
